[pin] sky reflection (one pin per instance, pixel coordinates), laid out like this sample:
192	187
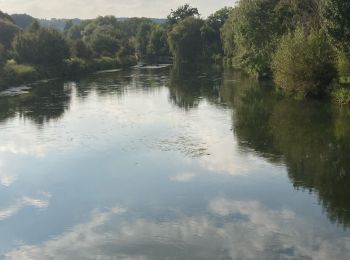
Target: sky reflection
137	167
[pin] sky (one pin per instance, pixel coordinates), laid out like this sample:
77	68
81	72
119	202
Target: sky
92	8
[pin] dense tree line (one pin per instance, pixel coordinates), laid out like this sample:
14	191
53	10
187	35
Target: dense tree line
31	52
303	45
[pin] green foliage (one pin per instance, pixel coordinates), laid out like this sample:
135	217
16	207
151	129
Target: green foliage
303	63
126	56
341	96
343	65
80	50
17	73
294	13
2	55
41	46
158	45
211	33
228	40
255	31
335	16
8	31
74	33
142	39
104	63
75	66
104	40
182	13
185	40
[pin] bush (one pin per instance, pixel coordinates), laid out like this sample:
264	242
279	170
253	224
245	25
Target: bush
341	96
104	63
14	73
303	64
75	66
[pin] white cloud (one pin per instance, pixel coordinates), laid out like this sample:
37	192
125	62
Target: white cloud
183	177
6	179
230	230
21	203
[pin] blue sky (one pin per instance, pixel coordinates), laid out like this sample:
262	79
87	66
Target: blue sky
93	8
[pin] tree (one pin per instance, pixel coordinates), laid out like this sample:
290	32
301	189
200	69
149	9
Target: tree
74	33
2	55
158	45
8	30
227	39
34	27
211	32
181	13
335	16
255	33
294	13
80	50
104	41
185	40
303	64
142	39
43	47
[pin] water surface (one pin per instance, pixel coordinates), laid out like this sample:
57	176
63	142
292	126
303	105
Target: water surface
169	163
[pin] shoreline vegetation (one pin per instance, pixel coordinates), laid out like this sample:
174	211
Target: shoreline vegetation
304	46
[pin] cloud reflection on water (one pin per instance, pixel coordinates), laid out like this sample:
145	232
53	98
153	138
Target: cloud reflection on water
230	230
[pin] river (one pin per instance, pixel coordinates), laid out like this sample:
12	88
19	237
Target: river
171	163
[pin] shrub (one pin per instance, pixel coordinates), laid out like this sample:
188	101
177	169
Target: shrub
341	96
14	73
75	66
303	65
104	63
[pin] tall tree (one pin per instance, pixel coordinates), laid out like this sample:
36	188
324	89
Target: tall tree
185	40
181	13
211	32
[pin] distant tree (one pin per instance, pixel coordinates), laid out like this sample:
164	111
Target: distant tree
104	41
185	40
142	39
74	33
181	13
158	45
127	54
23	20
8	30
68	25
34	27
130	27
2	55
79	49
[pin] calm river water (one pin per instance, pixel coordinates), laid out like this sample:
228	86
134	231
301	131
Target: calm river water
169	163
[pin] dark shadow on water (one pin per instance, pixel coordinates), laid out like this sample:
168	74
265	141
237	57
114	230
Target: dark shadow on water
311	138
